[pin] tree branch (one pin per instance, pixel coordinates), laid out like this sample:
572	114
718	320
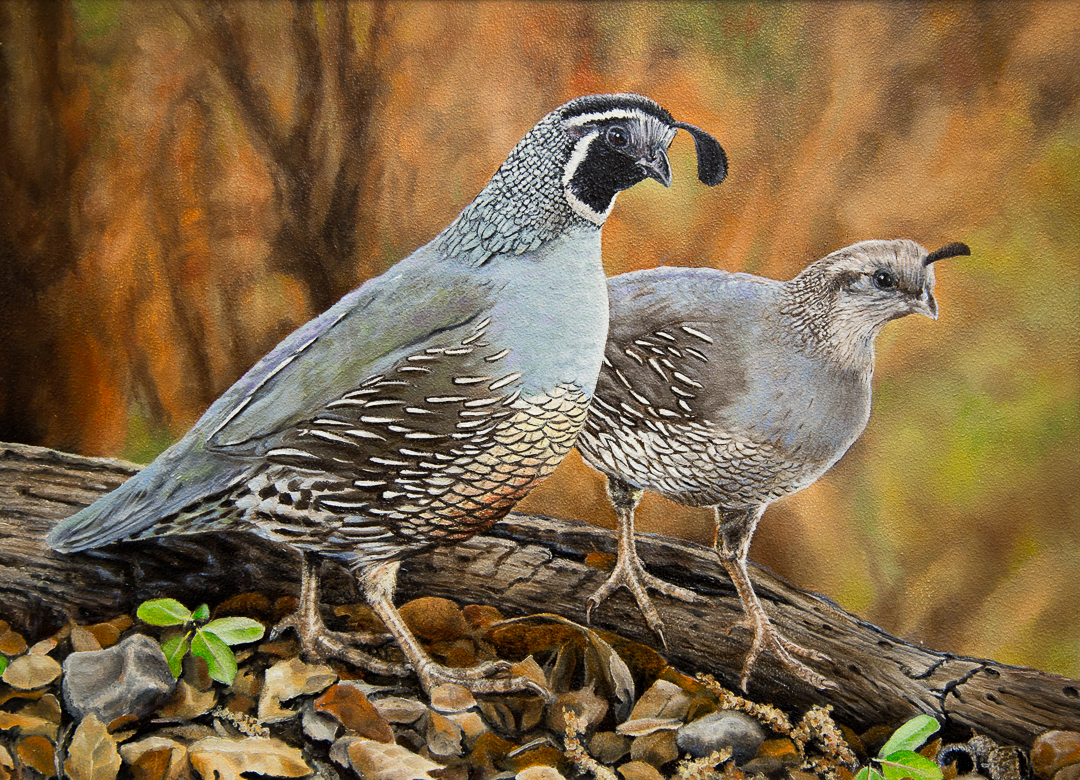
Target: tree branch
526	564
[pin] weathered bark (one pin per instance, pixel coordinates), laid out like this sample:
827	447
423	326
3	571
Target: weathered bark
528	564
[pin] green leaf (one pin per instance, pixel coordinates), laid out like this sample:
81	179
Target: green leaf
235	630
910	735
163	612
907	763
202	613
868	773
220	660
3	663
175	649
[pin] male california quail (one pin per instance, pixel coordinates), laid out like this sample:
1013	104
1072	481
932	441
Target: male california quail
422	406
731	391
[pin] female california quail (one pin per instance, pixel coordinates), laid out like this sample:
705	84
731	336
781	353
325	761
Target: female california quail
731	391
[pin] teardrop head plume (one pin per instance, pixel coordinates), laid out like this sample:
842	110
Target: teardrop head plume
955	249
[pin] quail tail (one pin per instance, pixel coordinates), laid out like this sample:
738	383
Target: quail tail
629	572
734	530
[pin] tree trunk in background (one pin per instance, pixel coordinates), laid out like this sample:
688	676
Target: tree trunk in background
40	135
318	152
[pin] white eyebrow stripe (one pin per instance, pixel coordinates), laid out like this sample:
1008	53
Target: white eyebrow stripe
615	113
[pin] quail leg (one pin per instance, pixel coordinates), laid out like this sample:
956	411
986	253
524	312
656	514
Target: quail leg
317	641
733	531
487	677
629	572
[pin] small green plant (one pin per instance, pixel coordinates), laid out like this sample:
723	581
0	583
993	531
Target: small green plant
207	640
3	663
897	758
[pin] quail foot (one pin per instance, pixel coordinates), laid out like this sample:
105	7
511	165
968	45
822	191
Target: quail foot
731	391
422	406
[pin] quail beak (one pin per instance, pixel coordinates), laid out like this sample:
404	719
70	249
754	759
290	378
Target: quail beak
657	167
926	304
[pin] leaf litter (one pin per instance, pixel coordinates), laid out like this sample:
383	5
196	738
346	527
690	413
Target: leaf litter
614	706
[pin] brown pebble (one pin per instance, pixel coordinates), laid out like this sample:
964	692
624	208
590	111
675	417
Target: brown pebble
607	747
540	754
11	643
450	697
121	623
443	736
1054	750
38	754
106	634
1071	772
480	616
82	641
657	748
433	619
284	606
639	770
252	605
488	751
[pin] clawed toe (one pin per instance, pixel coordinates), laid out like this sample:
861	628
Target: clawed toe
485	678
632	576
784	650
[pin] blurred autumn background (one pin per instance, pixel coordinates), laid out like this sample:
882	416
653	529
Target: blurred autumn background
182	184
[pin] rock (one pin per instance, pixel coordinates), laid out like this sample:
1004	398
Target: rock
381	761
1071	772
471	725
607	747
480	616
187	703
106	634
131	678
643	726
539	773
32	671
664	700
433	619
772	756
395	709
488	751
286	680
450	697
443	736
1052	751
319	727
539	752
11	642
82	641
639	770
719	730
657	748
155	758
37	753
499	716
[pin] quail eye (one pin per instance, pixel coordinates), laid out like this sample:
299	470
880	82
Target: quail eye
884	280
618	136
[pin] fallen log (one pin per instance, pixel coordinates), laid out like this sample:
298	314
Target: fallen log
526	564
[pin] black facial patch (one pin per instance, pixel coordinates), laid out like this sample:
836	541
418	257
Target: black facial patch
602	175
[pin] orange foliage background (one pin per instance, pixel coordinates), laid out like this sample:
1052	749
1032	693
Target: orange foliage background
183	183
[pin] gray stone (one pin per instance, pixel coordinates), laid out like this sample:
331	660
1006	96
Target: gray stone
719	730
130	678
